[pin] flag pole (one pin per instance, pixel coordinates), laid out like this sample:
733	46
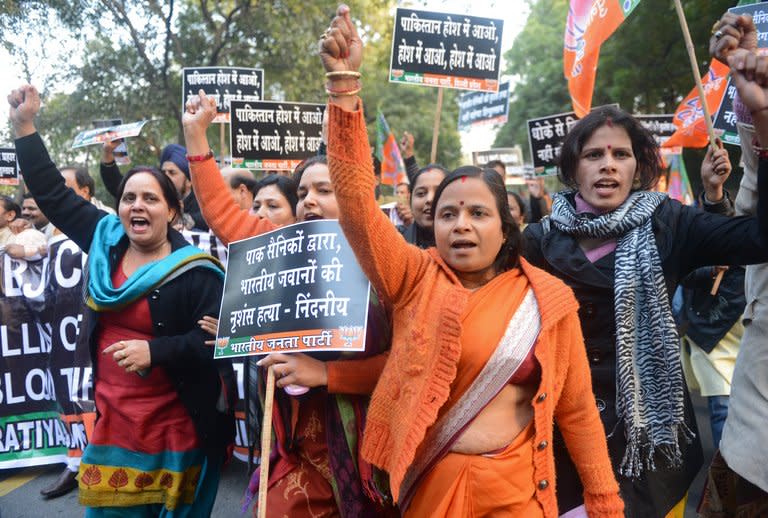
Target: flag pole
696	74
702	99
436	127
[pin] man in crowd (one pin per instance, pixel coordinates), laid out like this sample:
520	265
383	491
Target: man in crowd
174	164
78	179
499	167
402	215
242	185
539	200
737	484
31	212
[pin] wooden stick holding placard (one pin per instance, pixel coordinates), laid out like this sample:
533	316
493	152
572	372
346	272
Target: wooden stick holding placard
221	145
716	284
436	127
702	99
696	74
266	442
718	280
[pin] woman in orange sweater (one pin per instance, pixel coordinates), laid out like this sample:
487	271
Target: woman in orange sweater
315	470
487	350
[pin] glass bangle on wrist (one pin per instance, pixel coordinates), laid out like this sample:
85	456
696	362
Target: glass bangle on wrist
200	158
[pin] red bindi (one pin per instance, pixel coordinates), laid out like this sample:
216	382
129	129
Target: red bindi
609	146
463	179
461	203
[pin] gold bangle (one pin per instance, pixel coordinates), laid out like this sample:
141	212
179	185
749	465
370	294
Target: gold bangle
346	93
342	74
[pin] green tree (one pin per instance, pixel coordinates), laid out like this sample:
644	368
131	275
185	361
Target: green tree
536	63
130	54
643	66
409	107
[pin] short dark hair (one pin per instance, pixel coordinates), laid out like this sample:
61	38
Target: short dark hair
166	187
82	178
429	167
285	185
243	178
509	254
306	164
10	206
644	146
493	163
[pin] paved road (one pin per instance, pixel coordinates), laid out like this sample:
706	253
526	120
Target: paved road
20	498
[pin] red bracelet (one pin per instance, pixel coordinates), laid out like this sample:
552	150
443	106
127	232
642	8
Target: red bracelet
200	158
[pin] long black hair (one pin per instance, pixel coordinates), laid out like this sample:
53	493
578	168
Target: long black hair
509	254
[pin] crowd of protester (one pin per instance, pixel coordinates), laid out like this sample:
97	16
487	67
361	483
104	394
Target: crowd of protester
523	356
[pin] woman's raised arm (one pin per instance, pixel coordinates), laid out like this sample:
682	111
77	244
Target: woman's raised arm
224	217
70	213
391	264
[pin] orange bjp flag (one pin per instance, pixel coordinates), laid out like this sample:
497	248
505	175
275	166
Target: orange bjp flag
392	165
589	24
689	116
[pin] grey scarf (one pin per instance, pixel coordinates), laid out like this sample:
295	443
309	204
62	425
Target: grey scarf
649	378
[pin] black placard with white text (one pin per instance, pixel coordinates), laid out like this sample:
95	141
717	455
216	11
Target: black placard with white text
274	134
224	84
446	50
295	289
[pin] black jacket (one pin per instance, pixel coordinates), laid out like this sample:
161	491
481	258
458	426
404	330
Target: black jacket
204	385
706	318
686	238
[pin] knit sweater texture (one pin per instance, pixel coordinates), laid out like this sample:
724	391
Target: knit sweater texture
428	302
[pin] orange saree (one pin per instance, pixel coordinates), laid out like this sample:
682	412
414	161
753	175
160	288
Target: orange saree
499	483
